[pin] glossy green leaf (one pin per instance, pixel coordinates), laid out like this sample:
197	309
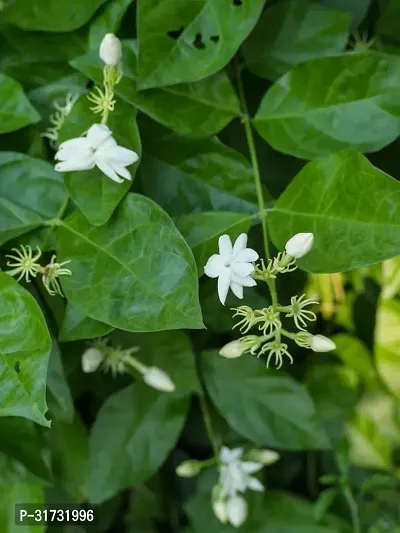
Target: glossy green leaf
351	207
16	111
388	24
107	22
332	103
23	358
202	231
198	109
61	16
387	344
187	175
77	326
274	410
354	354
291	32
186	41
357	8
368	446
30	193
134	432
61	404
144	272
96	195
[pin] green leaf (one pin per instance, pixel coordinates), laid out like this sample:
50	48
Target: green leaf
30	193
61	404
387	344
16	112
357	8
191	175
274	410
291	32
187	41
169	350
202	230
134	432
23	358
388	25
332	103
143	270
60	16
354	354
76	326
108	21
350	206
199	109
96	195
369	448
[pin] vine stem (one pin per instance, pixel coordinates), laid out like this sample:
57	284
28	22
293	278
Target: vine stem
56	221
355	519
254	161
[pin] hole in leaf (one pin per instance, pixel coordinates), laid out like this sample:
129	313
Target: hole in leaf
17	366
198	42
175	34
214	38
237	2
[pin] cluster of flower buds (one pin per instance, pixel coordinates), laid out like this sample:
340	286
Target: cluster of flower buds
24	264
118	360
235	269
235	468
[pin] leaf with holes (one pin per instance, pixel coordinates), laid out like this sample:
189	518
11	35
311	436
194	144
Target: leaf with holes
143	270
186	41
202	230
332	103
95	194
352	208
16	112
191	175
134	432
23	358
197	109
31	192
273	410
291	32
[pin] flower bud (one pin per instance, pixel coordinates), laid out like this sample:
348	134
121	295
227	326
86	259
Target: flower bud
110	50
236	510
232	350
219	508
158	379
299	245
91	360
319	343
265	457
189	468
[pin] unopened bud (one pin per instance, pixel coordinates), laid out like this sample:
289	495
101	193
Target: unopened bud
319	343
189	468
236	510
265	457
299	245
219	508
158	379
232	350
91	360
110	50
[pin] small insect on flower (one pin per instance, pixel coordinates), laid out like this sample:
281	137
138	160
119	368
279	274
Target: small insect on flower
233	266
24	263
51	273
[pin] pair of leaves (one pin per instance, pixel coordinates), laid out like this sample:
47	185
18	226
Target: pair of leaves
291	32
95	194
16	111
144	272
198	109
30	192
187	41
332	103
351	207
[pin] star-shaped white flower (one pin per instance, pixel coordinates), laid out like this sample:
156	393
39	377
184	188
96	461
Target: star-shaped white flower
232	266
235	474
98	148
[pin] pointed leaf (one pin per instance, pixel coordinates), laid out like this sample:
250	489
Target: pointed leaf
76	326
16	112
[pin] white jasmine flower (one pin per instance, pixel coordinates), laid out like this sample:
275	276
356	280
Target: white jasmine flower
320	343
91	360
233	349
236	510
232	266
110	50
299	245
158	379
235	474
98	148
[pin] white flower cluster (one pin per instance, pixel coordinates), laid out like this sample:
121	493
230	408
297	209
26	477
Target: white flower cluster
98	148
119	361
234	267
235	469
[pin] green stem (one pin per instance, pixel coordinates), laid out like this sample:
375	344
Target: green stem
355	519
208	425
55	222
254	162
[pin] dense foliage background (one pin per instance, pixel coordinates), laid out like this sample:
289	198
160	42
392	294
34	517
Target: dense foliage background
316	86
